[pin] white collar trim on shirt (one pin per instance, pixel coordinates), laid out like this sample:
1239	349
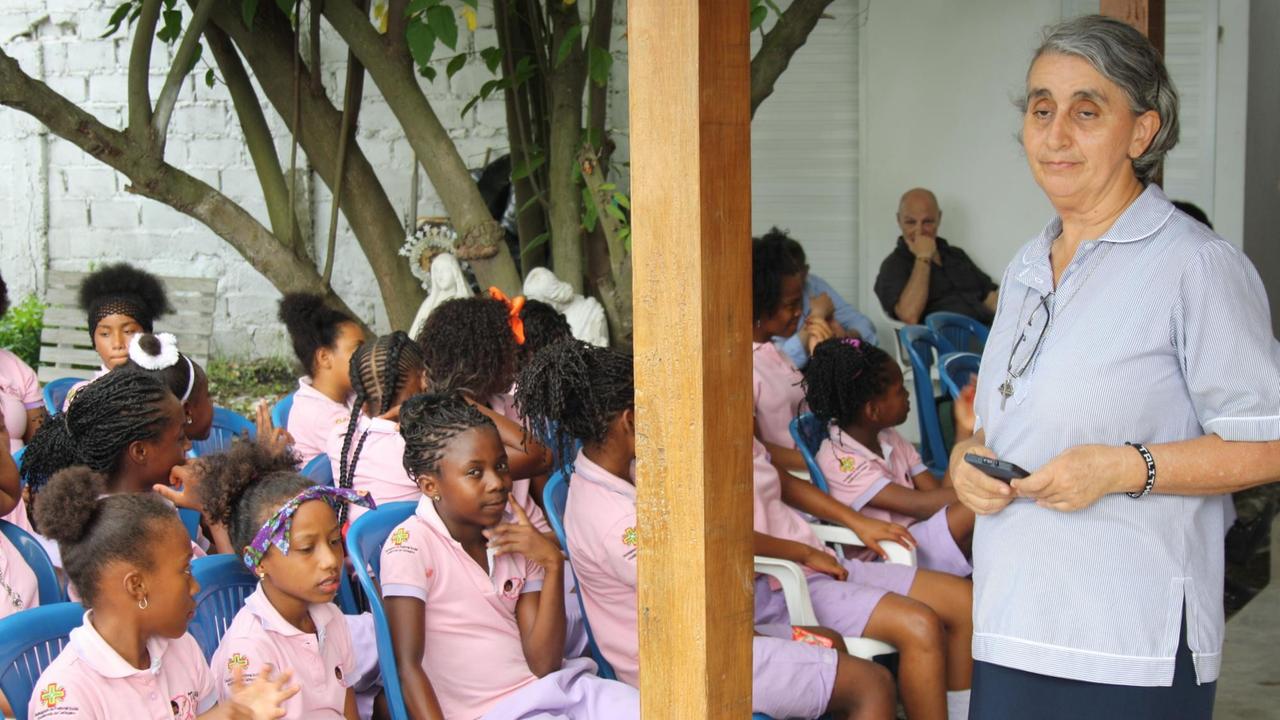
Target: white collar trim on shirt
260	606
590	472
426	510
846	442
94	650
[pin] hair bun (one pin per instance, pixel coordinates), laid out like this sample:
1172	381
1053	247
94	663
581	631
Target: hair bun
65	507
154	352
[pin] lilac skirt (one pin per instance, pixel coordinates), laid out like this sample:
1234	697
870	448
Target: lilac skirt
936	548
573	692
791	679
575	630
842	606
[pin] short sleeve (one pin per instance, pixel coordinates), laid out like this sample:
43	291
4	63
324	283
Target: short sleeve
852	479
25	381
890	282
533	576
407	568
537	518
1221	327
61	692
621	542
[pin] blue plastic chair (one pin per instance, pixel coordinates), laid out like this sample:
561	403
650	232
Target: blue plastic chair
956	369
17	459
29	641
319	470
364	545
49	589
555	495
227	426
55	393
224	584
958	333
191	521
280	413
922	347
809	432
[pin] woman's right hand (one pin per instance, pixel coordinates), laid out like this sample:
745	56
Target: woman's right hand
978	492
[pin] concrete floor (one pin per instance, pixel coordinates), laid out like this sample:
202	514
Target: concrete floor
1249	688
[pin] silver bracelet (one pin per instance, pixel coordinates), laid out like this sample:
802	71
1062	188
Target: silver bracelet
1151	470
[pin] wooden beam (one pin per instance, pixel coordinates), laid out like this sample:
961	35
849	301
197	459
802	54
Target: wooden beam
691	225
1145	15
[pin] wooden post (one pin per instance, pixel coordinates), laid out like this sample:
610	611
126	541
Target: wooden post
1145	15
691	227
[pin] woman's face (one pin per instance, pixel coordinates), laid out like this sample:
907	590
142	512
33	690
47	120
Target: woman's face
1079	132
785	319
310	571
111	339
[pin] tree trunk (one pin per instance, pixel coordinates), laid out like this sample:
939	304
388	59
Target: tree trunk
566	85
787	36
515	37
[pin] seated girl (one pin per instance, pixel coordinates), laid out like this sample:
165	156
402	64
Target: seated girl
287	531
323	340
587	392
473	592
158	354
857	390
367	452
18	587
121	301
132	656
21	404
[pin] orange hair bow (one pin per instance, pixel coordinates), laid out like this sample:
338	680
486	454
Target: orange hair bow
514	306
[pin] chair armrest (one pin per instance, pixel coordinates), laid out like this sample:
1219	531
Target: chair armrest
795	588
844	536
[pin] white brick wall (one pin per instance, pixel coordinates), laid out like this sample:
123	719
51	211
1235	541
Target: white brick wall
60	208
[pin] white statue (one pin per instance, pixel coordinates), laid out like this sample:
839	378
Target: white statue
447	282
585	314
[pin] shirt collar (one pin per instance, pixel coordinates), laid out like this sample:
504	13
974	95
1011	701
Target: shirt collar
379	425
426	511
99	655
307	388
844	441
260	606
590	472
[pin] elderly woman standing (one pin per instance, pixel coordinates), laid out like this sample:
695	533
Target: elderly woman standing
1131	367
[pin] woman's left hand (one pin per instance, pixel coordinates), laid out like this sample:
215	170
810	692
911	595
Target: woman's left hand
1075	479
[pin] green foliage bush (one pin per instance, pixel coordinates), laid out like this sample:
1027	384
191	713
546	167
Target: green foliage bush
20	329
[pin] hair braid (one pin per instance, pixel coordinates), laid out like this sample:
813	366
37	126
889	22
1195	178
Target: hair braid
428	422
842	377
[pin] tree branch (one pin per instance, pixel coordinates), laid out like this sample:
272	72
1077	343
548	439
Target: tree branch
601	35
352	94
780	44
178	71
140	69
566	85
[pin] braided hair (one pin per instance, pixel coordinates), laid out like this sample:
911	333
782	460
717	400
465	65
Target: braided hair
772	259
312	325
571	391
842	377
543	325
429	421
107	415
380	371
93	531
468	346
245	485
123	289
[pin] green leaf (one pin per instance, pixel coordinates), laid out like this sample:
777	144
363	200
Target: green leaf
137	10
427	72
598	65
470	104
492	58
286	7
209	77
417	6
444	25
759	14
567	43
422	41
195	58
589	213
455	65
172	29
535	244
525	69
625	236
615	212
622	200
527	204
117	17
608	186
473	4
528	166
487	88
248	9
773	6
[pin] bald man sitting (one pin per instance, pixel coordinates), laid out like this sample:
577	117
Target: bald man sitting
925	274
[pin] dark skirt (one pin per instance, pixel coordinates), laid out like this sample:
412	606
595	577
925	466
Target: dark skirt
1001	693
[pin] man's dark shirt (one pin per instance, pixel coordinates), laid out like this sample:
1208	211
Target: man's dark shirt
957	286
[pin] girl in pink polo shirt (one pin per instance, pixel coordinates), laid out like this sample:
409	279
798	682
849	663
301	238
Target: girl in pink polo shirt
323	340
158	354
18	589
288	534
132	657
857	389
21	404
367	452
473	591
586	393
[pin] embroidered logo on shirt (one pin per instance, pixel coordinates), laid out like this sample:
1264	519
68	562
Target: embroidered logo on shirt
184	706
237	660
511	588
399	537
630	537
52	695
847	464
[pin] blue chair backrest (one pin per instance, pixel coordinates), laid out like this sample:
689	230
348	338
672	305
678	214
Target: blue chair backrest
555	496
364	545
227	425
29	641
55	393
17	460
809	432
191	521
956	369
319	470
957	333
48	588
224	584
280	413
922	345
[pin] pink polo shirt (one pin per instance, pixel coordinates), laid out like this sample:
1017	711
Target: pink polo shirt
855	474
19	590
323	664
600	520
311	419
473	654
380	467
19	392
776	393
770	514
89	679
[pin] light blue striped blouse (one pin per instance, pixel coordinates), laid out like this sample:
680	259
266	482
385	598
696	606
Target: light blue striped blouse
1168	339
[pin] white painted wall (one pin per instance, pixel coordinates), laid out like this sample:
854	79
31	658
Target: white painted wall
1262	165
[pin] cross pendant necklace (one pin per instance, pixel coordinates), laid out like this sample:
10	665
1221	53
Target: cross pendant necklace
1006	392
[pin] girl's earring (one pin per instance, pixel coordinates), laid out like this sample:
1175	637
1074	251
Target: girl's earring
189	421
144	603
436	498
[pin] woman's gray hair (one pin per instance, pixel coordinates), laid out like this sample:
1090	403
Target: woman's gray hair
1122	55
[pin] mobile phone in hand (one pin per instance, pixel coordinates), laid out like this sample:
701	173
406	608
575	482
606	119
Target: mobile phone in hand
998	469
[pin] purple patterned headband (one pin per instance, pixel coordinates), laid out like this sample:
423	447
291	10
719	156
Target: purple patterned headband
275	531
